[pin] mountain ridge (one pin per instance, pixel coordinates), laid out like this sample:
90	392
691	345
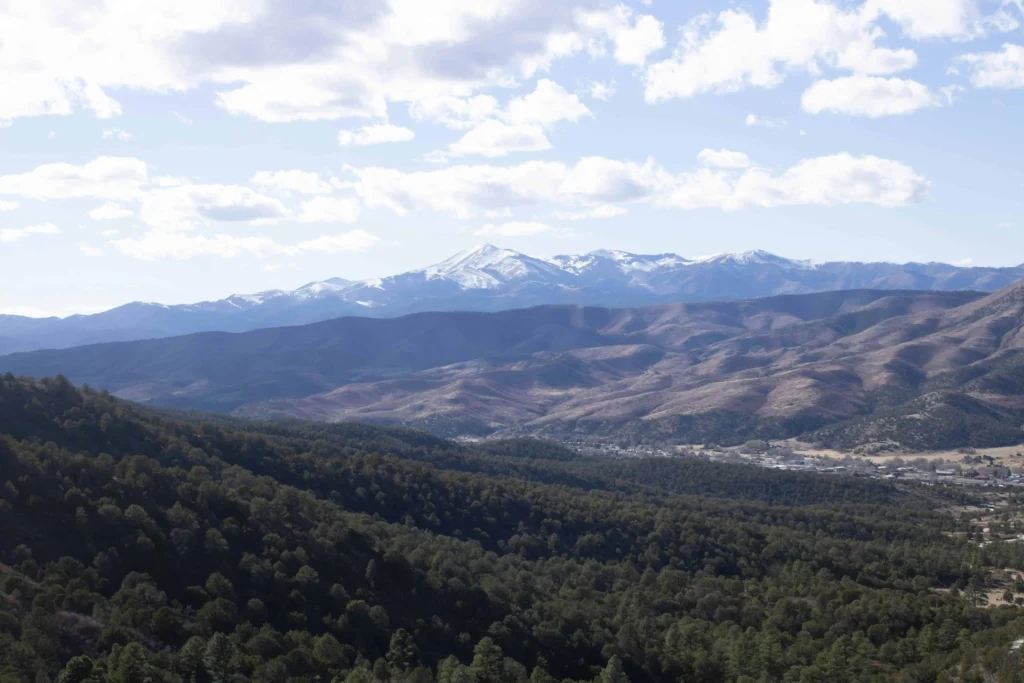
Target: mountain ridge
848	367
489	278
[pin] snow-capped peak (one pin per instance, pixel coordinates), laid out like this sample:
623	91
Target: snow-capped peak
478	258
488	267
755	257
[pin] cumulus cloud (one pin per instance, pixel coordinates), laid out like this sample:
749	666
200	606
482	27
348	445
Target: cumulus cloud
821	181
521	126
116	134
8	235
732	51
110	211
461	190
596	180
298	182
8	206
753	120
375	135
602	91
634	38
723	158
188	206
726	180
458	113
868	96
327	60
155	245
115	178
998	70
496	138
930	18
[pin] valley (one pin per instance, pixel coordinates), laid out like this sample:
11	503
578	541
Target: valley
868	369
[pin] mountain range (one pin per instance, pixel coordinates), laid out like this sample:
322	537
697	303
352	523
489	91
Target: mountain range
489	278
921	369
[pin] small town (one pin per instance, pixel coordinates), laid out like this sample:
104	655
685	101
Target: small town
1003	468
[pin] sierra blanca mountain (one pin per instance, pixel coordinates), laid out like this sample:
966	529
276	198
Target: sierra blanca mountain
488	278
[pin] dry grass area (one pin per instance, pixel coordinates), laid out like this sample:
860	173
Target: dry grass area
1002	580
1009	456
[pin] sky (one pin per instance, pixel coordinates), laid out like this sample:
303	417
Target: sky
184	150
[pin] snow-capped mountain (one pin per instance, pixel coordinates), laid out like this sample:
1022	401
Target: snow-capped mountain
489	278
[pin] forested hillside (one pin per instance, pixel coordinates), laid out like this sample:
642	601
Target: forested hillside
145	547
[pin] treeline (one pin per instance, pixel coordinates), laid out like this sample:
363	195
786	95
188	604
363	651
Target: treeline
141	547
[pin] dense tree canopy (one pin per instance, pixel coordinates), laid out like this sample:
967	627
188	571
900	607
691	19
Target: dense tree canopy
145	547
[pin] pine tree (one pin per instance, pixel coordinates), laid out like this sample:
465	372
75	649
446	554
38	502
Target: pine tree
451	670
219	658
403	653
128	665
77	670
487	662
613	672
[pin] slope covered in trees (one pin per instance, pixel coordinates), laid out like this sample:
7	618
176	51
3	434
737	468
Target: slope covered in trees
146	547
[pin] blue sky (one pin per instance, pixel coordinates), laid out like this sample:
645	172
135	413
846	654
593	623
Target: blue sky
183	150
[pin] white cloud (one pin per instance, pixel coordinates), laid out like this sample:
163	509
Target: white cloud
596	182
102	178
930	18
459	113
155	245
1000	70
952	92
330	210
634	38
732	51
756	121
299	182
188	206
327	60
601	180
374	135
8	206
116	133
522	126
723	158
548	104
464	191
513	229
821	181
110	233
468	191
868	96
182	118
496	138
8	235
602	91
110	211
89	250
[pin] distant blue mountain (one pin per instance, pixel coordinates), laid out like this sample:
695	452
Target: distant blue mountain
489	278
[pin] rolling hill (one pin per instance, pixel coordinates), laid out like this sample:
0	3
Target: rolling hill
924	369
